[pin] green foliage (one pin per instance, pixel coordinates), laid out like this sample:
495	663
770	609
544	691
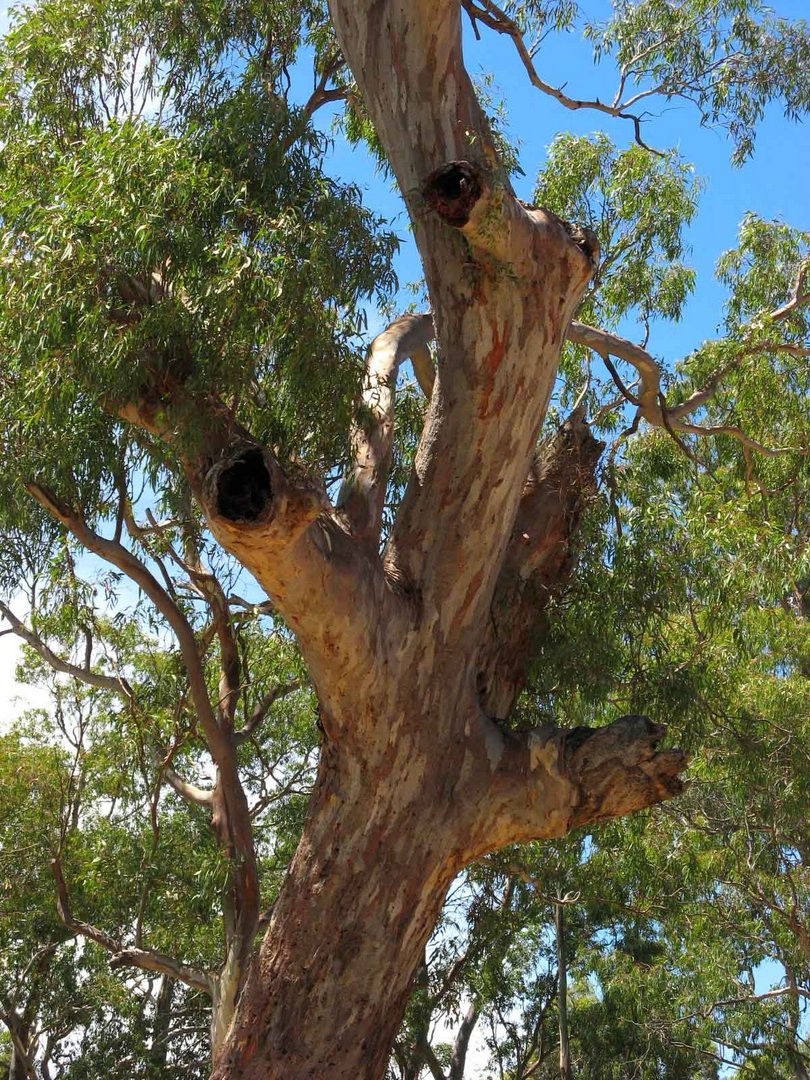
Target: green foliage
638	205
211	250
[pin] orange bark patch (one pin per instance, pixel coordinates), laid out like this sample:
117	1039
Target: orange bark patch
491	363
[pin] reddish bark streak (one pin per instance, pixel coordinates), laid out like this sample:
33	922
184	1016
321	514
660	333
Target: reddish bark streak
491	364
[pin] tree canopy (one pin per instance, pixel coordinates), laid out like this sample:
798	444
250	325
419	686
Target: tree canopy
336	624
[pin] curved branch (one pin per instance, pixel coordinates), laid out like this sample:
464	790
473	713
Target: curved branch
117	555
363	493
190	793
263	707
231	816
649	398
211	589
800	295
122	955
83	674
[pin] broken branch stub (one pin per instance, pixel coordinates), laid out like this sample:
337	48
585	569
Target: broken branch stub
619	768
550	780
249	488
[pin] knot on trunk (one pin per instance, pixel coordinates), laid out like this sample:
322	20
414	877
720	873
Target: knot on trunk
452	191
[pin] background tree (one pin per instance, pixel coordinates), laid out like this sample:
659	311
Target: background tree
184	295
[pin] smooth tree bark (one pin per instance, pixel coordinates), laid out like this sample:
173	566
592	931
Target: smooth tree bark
417	647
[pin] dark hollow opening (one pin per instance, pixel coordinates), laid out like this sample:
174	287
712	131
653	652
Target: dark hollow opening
453	190
243	488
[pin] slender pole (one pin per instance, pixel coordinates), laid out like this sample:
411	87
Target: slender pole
562	993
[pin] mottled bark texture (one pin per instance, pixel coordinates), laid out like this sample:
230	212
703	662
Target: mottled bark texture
416	648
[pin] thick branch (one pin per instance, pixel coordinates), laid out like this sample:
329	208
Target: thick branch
190	793
551	780
461	1044
484	420
279	524
480	204
363	494
83	674
124	956
503	281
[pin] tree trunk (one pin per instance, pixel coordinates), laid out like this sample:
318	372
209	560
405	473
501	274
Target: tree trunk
390	823
381	843
158	1051
417	655
21	1063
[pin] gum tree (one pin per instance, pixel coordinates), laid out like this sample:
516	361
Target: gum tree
183	291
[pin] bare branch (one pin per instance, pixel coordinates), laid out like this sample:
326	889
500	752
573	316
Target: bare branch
122	955
123	559
322	93
111	683
231	817
461	1043
263	707
793	990
799	296
265	607
190	793
649	398
428	1056
211	589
